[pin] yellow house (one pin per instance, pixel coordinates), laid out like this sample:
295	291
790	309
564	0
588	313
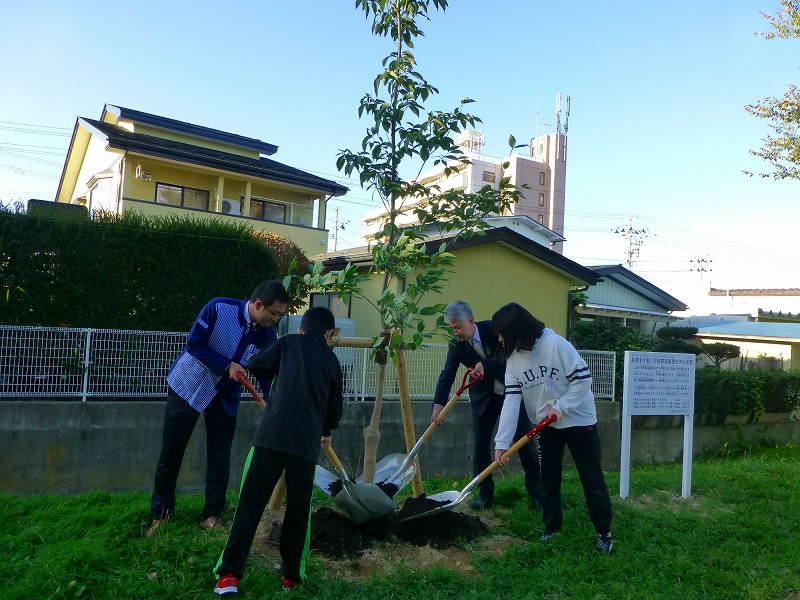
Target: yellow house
134	161
493	269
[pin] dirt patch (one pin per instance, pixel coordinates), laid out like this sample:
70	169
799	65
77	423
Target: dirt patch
448	539
335	536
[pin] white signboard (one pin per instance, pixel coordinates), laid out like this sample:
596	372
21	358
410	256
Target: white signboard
658	383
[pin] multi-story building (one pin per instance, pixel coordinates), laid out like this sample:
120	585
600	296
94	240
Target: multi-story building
540	174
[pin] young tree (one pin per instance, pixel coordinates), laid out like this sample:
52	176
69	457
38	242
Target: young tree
402	131
719	352
781	151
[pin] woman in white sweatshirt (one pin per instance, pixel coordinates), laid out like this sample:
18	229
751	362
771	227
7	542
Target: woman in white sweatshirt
546	373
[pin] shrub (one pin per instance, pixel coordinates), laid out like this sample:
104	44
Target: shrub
599	335
719	393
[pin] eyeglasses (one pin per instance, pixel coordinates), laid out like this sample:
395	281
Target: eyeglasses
275	315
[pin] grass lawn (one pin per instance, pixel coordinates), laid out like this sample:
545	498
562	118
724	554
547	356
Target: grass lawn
736	537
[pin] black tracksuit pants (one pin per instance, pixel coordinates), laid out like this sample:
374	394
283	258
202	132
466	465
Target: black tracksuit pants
483	428
584	446
179	423
262	472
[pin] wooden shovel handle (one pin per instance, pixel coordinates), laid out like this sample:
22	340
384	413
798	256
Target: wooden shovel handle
276	500
337	464
516	447
242	377
464	386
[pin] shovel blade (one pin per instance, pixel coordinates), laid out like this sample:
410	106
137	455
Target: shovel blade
385	467
327	481
364	502
393	470
453	499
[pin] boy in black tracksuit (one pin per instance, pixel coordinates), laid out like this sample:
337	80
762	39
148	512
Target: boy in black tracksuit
303	407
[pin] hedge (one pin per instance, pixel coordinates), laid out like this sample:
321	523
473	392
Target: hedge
125	272
719	393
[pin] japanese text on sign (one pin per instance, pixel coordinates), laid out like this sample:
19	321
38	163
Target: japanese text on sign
659	383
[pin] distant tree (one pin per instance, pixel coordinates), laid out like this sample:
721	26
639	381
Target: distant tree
678	339
782	151
719	352
577	298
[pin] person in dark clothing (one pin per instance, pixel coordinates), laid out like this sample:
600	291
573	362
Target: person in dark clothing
303	408
475	346
202	380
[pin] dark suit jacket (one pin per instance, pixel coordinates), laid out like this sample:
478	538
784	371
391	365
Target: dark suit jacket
462	353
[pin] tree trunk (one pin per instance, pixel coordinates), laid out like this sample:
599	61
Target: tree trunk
372	432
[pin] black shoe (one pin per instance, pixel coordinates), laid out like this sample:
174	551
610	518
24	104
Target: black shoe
604	543
480	504
547	536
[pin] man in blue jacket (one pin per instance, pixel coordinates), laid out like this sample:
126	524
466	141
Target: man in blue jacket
202	380
475	346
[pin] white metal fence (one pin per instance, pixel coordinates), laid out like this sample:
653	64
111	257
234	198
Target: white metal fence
55	362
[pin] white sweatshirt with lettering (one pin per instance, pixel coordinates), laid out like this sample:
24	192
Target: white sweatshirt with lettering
552	374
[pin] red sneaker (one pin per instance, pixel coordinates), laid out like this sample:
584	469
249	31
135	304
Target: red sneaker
288	584
227	585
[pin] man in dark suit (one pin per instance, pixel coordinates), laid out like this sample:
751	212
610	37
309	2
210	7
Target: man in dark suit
475	346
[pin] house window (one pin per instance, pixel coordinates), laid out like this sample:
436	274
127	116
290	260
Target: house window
177	195
488	176
541	199
265	210
541	219
541	177
338	306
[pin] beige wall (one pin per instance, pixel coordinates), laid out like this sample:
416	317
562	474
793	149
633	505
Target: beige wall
487	276
312	241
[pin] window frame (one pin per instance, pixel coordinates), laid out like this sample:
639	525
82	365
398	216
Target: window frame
183	189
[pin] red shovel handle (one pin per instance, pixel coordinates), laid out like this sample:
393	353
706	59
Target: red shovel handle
464	385
242	377
541	425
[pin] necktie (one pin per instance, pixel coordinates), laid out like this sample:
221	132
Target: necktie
499	388
478	348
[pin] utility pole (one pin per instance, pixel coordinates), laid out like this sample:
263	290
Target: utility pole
701	265
634	237
336	227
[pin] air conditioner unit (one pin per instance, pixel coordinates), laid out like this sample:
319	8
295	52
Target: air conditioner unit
231	207
142	174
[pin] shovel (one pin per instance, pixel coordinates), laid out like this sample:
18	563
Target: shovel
394	472
323	479
361	502
453	498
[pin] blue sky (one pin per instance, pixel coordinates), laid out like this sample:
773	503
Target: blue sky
658	134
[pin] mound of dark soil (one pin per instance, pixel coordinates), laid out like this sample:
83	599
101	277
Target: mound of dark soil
336	536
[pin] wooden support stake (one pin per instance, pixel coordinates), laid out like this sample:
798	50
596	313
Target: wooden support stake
408	418
276	500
